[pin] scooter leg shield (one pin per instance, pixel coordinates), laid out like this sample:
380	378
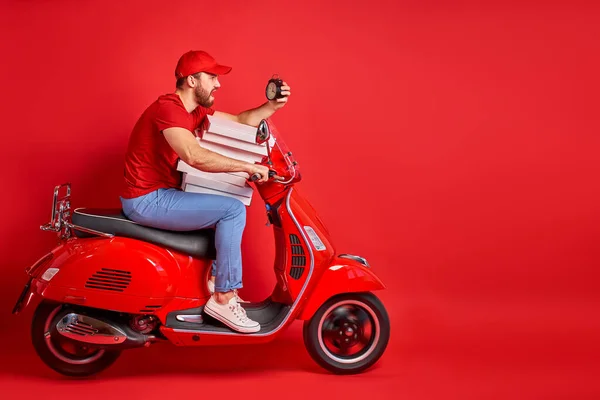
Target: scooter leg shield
337	279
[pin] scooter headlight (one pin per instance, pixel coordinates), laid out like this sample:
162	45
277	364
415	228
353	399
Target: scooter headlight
49	274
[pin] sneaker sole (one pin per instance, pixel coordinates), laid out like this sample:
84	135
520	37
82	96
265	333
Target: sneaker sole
238	328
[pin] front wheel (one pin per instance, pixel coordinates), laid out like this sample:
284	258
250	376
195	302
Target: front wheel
348	333
66	356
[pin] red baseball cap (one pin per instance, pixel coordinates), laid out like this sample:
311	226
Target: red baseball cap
195	61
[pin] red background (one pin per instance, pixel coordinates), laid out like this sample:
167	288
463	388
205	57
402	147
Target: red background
455	146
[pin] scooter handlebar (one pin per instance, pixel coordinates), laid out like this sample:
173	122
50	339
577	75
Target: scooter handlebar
256	176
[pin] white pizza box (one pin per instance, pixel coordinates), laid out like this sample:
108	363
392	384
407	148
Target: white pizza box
200	189
196	180
234	178
231	152
260	149
232	129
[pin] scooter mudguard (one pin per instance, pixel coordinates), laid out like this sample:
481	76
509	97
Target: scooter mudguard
343	276
30	287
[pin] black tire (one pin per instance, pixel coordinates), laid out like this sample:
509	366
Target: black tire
355	323
63	355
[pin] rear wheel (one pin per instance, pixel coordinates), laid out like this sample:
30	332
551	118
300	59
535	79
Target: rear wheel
348	333
66	356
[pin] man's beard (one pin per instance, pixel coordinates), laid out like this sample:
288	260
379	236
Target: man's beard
203	97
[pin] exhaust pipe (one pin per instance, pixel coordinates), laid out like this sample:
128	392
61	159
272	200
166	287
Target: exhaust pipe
101	334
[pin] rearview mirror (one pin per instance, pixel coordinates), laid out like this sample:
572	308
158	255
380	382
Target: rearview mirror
262	132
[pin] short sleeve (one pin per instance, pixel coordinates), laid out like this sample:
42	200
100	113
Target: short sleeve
170	115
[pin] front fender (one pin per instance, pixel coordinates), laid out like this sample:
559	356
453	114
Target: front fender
343	276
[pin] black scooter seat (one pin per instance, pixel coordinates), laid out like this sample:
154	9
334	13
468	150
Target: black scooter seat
199	244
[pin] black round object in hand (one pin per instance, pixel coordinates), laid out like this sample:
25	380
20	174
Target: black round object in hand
273	89
256	176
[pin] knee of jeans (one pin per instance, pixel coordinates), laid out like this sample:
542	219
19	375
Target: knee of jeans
238	208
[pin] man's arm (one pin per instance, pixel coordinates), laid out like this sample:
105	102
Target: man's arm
187	148
253	116
250	117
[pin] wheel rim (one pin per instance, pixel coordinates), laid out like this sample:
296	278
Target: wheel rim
348	331
69	351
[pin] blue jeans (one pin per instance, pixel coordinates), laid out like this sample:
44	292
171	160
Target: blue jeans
175	210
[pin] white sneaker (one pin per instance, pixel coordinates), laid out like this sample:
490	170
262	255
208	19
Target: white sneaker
211	289
232	315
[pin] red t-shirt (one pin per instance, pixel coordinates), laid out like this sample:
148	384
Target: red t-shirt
150	162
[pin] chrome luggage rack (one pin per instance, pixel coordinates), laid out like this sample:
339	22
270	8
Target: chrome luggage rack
60	220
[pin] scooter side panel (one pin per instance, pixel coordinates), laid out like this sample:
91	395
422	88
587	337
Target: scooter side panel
340	277
119	274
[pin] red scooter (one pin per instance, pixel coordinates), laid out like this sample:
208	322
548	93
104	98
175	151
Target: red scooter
112	284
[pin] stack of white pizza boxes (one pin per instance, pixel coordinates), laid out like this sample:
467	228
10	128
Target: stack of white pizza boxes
230	139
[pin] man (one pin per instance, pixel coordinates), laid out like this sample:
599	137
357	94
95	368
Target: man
152	194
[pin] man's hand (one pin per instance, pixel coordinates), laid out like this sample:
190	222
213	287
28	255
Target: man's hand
261	170
253	116
278	103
